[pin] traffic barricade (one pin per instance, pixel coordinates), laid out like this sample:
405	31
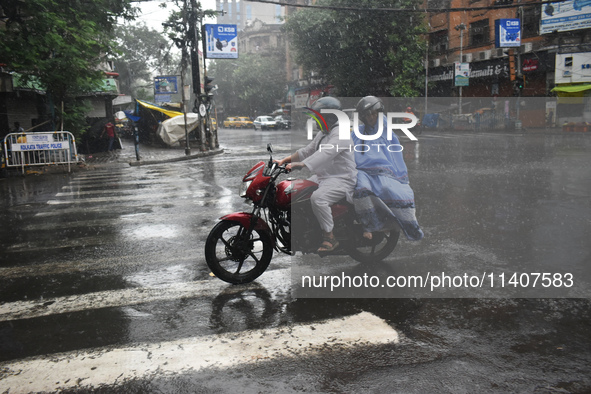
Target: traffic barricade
40	149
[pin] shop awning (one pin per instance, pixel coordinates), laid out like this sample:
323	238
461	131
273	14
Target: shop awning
167	112
572	88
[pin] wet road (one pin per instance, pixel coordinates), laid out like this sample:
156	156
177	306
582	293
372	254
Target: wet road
103	284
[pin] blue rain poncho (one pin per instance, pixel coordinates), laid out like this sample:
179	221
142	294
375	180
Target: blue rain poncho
383	198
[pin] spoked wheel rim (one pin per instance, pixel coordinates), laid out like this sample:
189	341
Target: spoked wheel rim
374	245
376	249
240	250
234	255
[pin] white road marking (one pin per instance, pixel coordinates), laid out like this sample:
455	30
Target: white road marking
125	297
114	366
132	197
106	299
89	183
114	193
90	264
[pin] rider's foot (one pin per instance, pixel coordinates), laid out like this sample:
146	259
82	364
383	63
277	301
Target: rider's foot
328	245
367	235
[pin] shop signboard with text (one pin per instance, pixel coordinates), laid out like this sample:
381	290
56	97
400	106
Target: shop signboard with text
221	41
507	33
565	16
462	74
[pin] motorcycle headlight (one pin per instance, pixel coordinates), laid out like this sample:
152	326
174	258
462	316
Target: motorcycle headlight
243	188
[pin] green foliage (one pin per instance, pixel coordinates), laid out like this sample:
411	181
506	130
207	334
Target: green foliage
249	85
75	116
361	52
260	81
142	51
180	26
60	43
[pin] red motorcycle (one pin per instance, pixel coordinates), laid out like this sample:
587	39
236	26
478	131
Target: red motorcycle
240	247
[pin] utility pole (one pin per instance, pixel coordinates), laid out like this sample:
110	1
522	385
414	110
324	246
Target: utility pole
194	31
461	27
183	70
426	77
520	75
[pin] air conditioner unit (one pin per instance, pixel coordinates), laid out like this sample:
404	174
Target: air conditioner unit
435	63
467	58
501	52
527	47
484	55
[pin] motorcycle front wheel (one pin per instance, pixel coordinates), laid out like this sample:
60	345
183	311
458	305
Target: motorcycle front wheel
376	249
235	257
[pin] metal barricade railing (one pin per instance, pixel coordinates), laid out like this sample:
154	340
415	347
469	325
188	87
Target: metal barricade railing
40	149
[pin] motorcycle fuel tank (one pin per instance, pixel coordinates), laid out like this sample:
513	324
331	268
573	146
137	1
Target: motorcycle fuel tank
294	190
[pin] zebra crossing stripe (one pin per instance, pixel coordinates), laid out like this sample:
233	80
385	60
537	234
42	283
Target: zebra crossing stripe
109	367
126	297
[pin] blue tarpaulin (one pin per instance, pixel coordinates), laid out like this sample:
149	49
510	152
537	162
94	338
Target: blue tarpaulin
430	120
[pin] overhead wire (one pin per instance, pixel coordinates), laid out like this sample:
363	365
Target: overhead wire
416	10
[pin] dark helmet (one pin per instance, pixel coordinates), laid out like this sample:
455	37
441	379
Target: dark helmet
328	103
369	103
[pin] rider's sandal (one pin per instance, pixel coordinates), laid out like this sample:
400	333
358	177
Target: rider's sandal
328	245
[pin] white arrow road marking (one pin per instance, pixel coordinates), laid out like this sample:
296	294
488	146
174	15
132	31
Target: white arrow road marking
113	366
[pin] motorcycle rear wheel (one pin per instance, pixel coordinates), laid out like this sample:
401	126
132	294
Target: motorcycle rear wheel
376	249
232	257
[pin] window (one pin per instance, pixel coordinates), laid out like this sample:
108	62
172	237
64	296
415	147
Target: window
531	21
438	4
479	33
438	41
249	12
278	13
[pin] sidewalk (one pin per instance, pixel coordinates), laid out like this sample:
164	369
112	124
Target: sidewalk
148	155
523	130
126	156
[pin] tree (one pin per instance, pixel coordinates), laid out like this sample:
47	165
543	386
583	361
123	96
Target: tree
361	52
252	84
61	43
142	51
260	81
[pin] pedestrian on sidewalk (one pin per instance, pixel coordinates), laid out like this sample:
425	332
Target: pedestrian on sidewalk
109	129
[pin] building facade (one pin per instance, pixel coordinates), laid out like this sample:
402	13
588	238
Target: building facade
242	13
553	38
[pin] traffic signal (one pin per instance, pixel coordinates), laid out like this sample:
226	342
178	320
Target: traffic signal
518	85
520	82
209	86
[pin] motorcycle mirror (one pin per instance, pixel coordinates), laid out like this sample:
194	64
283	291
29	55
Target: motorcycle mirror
270	148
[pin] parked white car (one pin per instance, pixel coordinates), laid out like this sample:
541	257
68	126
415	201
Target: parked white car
265	123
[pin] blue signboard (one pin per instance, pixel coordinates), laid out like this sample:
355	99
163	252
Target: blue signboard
221	41
565	16
165	84
507	33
